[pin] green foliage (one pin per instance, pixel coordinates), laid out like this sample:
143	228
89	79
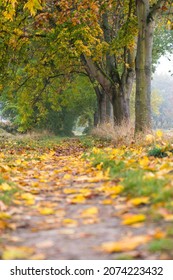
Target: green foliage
157	152
163	43
50	109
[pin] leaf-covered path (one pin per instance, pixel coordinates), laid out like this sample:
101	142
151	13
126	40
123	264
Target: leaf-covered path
61	207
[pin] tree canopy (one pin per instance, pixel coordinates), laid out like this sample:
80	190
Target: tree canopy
47	44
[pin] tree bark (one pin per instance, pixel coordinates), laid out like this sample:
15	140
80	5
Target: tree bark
143	67
104	106
121	108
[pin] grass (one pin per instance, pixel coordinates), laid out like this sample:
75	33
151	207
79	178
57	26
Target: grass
119	134
157	152
7	196
136	185
165	244
133	178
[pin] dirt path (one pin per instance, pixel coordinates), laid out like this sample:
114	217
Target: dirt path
63	211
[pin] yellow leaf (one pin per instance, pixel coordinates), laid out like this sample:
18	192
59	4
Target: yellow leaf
107	201
149	138
159	133
96	150
46	211
27	196
99	166
18	161
4	216
69	191
5	187
67	177
70	222
113	189
144	162
17	253
133	219
85	192
126	244
77	199
90	212
139	200
33	6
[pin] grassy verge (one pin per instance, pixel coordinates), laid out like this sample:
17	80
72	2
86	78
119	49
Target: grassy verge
139	174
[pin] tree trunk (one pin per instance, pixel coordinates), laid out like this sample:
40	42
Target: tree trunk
143	67
121	108
104	106
109	110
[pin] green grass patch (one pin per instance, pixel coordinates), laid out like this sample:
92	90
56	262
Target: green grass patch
133	179
160	245
7	196
136	185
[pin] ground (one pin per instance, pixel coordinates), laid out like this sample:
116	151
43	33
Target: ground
85	199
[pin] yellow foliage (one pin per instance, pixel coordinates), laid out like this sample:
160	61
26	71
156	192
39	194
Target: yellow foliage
33	6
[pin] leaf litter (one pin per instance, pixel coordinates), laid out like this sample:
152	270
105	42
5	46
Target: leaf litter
59	199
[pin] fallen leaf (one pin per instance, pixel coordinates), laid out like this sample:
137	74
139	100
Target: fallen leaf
67	177
17	253
125	244
5	187
70	222
139	200
46	211
89	212
4	216
77	199
133	219
107	202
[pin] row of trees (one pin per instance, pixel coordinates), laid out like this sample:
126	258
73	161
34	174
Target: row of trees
46	44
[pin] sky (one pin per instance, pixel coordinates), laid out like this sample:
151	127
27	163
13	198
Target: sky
165	65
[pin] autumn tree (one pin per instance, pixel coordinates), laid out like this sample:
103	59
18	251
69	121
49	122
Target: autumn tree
95	37
147	12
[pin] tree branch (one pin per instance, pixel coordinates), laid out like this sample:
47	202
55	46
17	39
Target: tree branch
157	6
